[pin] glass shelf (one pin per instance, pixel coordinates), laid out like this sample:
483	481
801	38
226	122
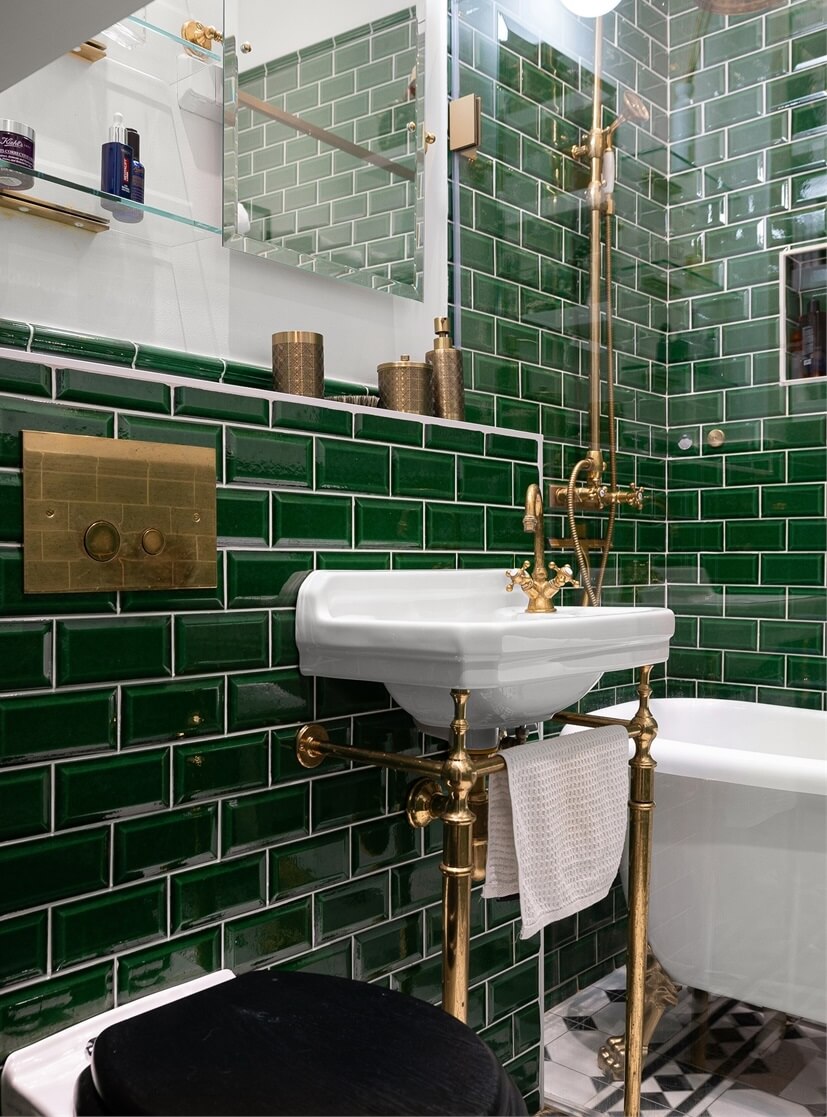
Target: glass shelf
160	226
196	51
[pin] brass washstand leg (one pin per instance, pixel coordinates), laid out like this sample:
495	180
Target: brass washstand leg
641	809
661	993
457	865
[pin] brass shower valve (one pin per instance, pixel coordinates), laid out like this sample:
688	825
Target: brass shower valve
596	495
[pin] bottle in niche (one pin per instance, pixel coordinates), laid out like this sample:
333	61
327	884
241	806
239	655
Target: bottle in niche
137	181
116	168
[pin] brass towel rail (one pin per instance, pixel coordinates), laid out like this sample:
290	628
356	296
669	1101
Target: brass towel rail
448	789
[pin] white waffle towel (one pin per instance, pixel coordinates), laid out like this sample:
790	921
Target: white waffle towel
557	823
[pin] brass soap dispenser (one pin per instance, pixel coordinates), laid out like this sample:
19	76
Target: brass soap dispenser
446	362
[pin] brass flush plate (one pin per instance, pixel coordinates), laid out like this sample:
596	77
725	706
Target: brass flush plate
101	514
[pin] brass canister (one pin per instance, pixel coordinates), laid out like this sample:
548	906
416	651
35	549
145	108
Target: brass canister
406	385
298	363
446	362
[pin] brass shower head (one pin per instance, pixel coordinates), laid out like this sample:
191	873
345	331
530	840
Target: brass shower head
634	108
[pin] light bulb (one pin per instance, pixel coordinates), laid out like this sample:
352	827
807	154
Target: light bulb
590	9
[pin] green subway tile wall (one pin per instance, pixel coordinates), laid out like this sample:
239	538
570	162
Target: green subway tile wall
155	823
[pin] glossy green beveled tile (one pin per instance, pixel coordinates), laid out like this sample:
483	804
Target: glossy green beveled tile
264	817
269	698
807	672
187	434
755	535
25	803
216	892
449	437
799	699
695	664
792	636
485	481
222	405
807	465
112	391
91	651
807	535
334	960
729	633
11	508
264	458
343	465
753	667
739	437
311	520
24	377
454	527
507	446
794	432
18	416
388	947
378	428
26	654
224	642
415	885
261	940
752	469
265	578
145	847
157	967
793	500
339	697
284	651
14	334
243	517
690	473
168	711
85	346
308	865
807	396
387	841
695	537
183	364
730	568
34	1011
108	923
56	724
23	944
723	503
234	764
386	523
350	907
415	473
704	407
113	787
513	989
792	570
47	869
808	604
349	797
312	417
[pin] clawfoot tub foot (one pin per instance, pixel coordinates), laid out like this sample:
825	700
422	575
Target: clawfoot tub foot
661	993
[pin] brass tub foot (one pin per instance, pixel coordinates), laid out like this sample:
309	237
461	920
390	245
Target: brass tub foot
660	993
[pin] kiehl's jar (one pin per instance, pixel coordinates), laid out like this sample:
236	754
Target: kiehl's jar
17	147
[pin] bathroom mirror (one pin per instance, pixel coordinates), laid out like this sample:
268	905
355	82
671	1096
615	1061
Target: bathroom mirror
325	155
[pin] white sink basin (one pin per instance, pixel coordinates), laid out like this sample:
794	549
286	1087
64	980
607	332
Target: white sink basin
423	632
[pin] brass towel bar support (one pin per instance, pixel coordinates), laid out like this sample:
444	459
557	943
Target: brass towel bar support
452	789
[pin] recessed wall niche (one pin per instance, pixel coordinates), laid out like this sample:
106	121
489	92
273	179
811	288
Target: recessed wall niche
803	276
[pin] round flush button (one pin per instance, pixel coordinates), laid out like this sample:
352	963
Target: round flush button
153	541
102	541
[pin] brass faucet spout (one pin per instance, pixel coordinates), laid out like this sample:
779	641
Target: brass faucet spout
533	521
536	585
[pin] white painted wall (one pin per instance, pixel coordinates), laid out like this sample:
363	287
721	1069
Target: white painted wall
147	283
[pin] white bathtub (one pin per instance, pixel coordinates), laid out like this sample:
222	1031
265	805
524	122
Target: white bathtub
739	875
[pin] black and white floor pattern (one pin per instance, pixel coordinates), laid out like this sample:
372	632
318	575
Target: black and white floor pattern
709	1058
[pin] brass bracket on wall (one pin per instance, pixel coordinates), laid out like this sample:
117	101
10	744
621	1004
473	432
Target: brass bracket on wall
465	125
101	514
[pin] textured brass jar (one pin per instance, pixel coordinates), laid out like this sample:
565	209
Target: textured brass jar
446	362
298	363
406	385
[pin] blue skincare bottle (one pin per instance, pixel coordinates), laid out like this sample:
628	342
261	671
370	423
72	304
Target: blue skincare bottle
116	167
137	187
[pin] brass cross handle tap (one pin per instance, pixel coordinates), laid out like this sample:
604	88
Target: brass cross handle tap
541	589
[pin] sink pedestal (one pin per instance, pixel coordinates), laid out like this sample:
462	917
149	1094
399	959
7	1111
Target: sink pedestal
449	790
